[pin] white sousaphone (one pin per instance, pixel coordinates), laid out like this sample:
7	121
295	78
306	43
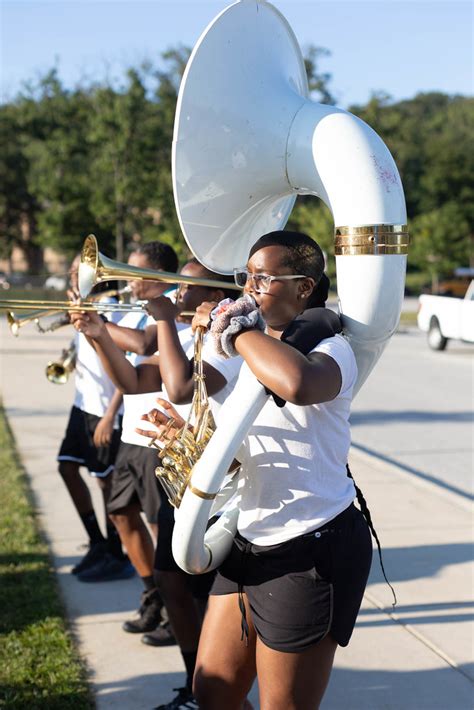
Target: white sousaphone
247	140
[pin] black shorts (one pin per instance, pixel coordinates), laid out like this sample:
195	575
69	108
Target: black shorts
134	481
199	584
303	589
78	444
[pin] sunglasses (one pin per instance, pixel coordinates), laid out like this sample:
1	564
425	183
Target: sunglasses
261	282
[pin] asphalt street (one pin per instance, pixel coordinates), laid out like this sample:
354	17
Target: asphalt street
416	409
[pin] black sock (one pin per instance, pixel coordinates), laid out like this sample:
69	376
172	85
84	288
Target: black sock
114	544
189	658
92	527
148	583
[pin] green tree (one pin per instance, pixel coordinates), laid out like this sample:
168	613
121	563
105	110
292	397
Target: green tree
123	137
18	205
53	132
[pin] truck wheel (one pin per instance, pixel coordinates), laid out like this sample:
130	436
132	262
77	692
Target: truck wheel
436	339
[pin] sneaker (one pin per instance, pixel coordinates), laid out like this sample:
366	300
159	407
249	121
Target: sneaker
185	699
161	636
94	554
108	569
149	614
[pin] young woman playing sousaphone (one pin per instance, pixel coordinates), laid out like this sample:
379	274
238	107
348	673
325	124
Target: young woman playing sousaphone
290	589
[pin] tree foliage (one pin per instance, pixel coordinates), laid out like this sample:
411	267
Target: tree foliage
97	158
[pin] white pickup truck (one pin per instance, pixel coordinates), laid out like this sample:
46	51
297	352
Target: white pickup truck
444	318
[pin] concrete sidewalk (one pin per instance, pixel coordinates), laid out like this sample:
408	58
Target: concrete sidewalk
418	657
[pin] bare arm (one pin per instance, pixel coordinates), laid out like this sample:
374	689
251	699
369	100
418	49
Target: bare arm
142	342
285	371
176	368
294	377
127	378
104	428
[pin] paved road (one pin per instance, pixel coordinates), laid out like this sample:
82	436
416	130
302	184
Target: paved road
416	409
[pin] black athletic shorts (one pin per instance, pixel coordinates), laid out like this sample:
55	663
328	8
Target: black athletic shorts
78	444
134	480
199	584
302	589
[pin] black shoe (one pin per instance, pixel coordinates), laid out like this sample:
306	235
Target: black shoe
185	699
150	614
95	554
109	569
162	636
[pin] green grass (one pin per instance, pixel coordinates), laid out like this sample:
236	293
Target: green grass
408	318
39	664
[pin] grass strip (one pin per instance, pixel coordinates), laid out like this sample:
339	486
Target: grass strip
39	664
408	318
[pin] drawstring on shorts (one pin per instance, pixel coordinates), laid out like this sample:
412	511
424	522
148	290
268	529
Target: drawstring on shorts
243	611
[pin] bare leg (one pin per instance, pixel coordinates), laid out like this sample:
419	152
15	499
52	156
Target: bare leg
294	681
76	486
135	538
154	532
225	667
183	614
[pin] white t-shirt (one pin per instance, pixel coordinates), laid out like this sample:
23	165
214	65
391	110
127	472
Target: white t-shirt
136	321
134	405
94	388
294	477
229	368
138	404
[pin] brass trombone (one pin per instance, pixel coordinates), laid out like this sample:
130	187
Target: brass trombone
15	322
95	268
58	371
64	319
57	323
73	306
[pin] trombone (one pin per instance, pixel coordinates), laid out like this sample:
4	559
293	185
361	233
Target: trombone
15	322
58	371
72	306
95	268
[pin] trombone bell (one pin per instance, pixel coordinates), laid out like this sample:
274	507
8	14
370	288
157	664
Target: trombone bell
58	371
16	322
95	268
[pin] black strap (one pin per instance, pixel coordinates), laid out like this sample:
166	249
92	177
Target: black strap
366	513
306	331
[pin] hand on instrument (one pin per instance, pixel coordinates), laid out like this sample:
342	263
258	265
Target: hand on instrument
203	315
168	423
90	323
162	308
103	431
73	295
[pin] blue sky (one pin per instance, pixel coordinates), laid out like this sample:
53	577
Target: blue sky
398	46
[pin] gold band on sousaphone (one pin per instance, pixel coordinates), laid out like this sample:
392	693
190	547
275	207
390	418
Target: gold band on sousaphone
371	239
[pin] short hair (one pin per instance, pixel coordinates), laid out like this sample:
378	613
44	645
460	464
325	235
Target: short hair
214	276
160	255
303	256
